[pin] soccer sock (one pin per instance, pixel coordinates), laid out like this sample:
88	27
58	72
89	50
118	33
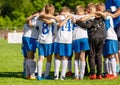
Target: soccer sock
113	65
82	69
27	69
40	64
117	68
24	67
31	66
76	64
64	67
106	66
56	67
48	66
69	65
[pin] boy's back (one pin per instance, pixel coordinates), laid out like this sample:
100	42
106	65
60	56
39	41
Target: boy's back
97	28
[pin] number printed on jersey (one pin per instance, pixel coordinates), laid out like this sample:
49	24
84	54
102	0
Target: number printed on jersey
67	27
45	29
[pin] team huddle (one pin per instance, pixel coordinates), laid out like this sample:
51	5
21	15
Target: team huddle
87	32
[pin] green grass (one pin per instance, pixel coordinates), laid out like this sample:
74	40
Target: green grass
11	61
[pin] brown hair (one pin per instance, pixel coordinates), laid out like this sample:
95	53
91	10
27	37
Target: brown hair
49	8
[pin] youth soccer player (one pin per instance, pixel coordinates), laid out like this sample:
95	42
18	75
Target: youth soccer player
64	42
29	43
97	35
80	44
45	47
111	45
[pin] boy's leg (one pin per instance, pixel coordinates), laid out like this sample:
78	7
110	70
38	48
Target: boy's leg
76	66
40	64
82	64
64	67
48	67
106	65
32	66
113	65
27	70
70	64
117	62
57	61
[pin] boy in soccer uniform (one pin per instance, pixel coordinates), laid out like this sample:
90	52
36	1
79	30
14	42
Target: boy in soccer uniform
111	45
97	34
45	47
63	42
80	44
29	45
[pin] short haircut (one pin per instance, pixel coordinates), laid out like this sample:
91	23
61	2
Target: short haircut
79	7
91	5
66	9
48	8
101	5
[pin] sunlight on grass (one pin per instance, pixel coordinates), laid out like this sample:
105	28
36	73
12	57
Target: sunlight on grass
11	61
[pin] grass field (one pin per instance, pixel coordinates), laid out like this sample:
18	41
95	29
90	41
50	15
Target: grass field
11	61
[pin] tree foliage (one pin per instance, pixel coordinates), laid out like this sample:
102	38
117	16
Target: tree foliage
14	12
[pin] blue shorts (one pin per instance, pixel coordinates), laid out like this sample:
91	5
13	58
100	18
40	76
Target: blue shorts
45	49
63	49
110	47
24	52
81	44
118	45
29	44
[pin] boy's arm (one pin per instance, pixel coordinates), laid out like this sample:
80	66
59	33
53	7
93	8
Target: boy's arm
110	14
50	16
103	14
31	16
47	21
64	22
87	17
117	13
88	23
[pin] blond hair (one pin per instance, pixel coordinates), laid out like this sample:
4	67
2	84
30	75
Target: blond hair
49	8
66	9
79	8
101	6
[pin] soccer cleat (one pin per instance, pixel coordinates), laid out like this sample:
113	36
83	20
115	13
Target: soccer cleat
76	79
47	77
55	78
27	77
107	76
39	78
32	77
113	77
99	76
69	73
92	76
62	78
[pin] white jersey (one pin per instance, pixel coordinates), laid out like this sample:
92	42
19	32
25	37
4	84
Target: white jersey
110	28
45	32
79	32
30	32
65	32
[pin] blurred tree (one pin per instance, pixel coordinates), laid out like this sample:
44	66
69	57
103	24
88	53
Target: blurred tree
14	12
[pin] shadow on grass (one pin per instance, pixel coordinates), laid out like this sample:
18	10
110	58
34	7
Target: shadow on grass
11	74
19	75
